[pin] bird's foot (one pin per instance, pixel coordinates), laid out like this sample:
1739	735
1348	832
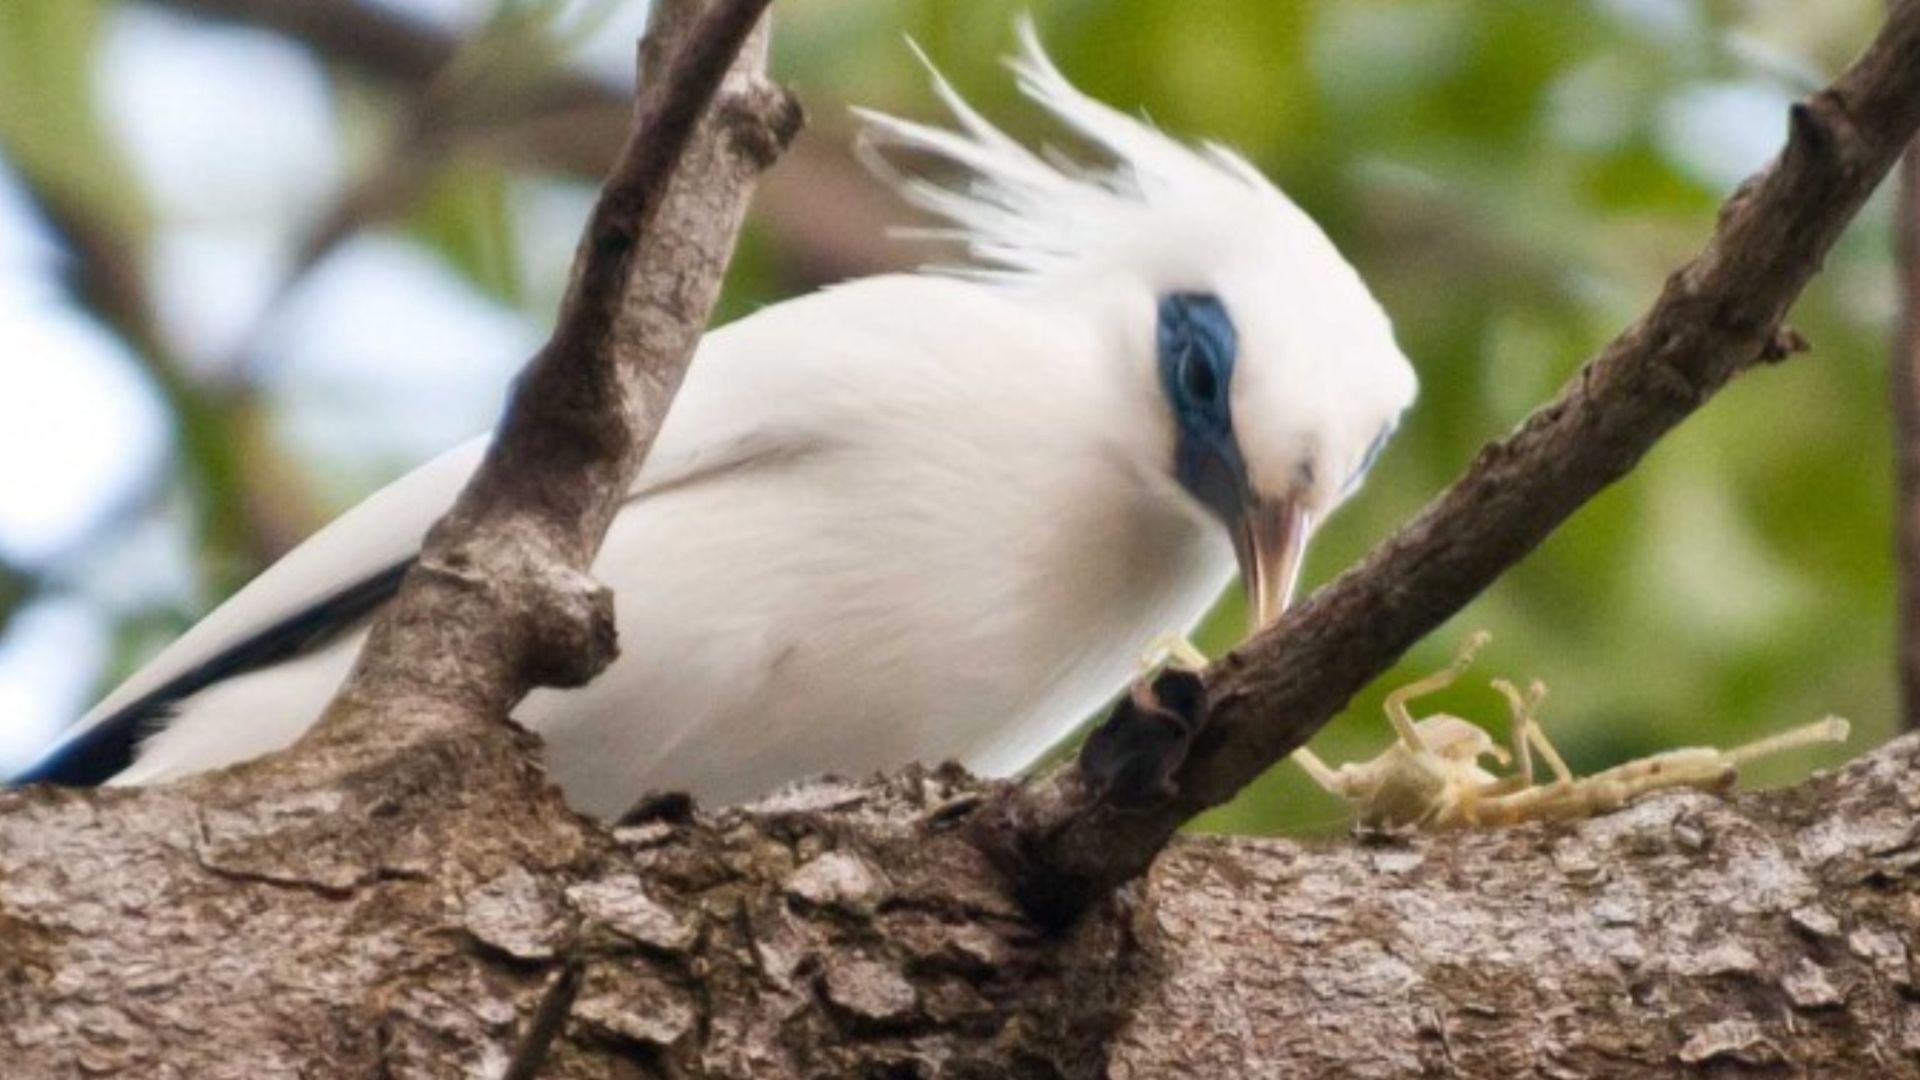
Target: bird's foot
1171	649
1132	756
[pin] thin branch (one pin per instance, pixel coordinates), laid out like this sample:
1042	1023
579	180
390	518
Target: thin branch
380	38
830	214
251	505
542	115
384	44
501	600
482	86
1066	840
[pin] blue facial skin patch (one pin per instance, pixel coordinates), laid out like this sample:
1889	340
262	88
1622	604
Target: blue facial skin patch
1197	347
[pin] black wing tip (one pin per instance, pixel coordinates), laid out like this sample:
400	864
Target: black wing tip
96	755
103	751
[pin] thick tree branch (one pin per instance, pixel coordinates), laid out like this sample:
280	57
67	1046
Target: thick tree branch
851	931
1067	840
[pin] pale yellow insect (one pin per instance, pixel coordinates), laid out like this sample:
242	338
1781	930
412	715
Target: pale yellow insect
1431	777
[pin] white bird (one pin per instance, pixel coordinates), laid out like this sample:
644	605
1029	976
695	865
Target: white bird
913	517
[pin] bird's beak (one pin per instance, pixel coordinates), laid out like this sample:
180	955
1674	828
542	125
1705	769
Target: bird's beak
1269	541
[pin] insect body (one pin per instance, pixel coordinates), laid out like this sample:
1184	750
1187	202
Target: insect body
1432	777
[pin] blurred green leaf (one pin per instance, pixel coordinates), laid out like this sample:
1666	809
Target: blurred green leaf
464	216
48	127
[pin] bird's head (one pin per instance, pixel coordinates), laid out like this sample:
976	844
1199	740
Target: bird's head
1273	372
1282	383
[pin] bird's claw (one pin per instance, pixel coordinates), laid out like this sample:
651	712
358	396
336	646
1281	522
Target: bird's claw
1132	756
1171	650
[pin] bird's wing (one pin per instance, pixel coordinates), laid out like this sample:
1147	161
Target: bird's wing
329	584
103	743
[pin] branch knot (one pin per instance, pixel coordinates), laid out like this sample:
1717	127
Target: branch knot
759	120
571	632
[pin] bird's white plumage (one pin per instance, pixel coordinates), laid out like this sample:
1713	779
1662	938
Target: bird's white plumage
1026	218
779	618
912	517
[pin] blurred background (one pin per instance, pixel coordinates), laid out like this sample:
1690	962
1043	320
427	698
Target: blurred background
258	257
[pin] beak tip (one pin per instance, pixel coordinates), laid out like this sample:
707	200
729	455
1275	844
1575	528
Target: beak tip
1269	543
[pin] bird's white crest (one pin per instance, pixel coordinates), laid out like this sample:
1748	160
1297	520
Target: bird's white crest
1023	215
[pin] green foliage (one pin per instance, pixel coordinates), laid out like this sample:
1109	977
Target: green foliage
48	124
465	217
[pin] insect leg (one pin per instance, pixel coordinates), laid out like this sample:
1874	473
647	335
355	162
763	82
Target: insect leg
1396	703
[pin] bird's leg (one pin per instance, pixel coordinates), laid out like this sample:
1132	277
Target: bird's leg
1396	703
1169	649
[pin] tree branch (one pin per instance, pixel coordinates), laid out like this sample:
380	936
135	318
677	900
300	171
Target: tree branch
1067	839
500	601
851	931
374	37
387	45
250	509
828	211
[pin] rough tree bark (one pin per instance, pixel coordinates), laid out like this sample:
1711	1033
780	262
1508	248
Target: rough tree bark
848	931
404	894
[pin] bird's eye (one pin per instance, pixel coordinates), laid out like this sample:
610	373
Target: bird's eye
1197	375
1197	344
